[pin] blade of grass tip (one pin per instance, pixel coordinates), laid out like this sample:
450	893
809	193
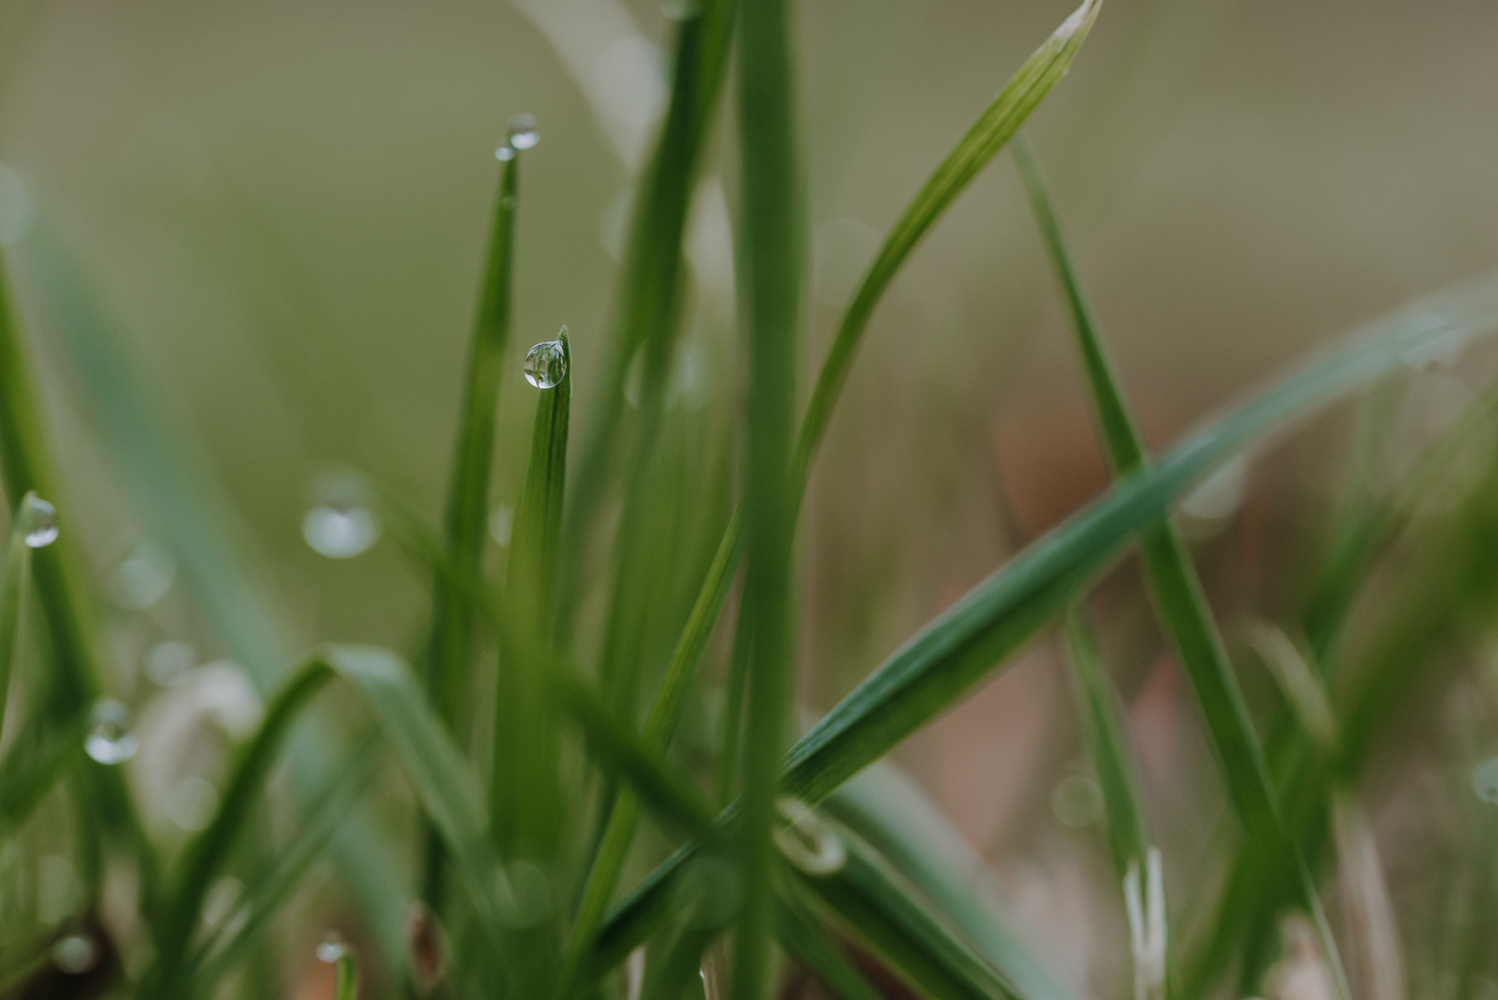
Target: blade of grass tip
523	808
943	661
649	288
665	713
1179	599
467	508
74	675
345	975
13	596
772	236
1020	96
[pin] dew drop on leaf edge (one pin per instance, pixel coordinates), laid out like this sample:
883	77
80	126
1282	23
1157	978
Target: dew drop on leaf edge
109	739
41	523
522	132
546	363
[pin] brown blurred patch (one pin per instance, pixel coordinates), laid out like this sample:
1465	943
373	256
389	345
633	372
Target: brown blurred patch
1048	458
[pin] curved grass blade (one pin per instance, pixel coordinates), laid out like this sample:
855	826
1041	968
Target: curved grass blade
524	809
17	575
468	487
999	121
272	887
942	662
1179	599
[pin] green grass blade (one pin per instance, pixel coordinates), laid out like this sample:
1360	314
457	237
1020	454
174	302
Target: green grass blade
867	898
345	975
909	833
523	802
613	748
1108	743
270	888
468	486
651	278
994	127
1179	600
772	237
943	661
17	575
34	766
803	936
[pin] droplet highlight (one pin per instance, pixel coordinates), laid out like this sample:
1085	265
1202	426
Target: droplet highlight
331	948
808	842
504	153
546	363
522	132
341	525
109	739
41	522
75	954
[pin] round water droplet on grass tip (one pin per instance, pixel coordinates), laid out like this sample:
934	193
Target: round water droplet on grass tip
504	153
1077	801
523	133
75	954
109	739
1485	780
808	842
41	523
546	363
331	948
340	532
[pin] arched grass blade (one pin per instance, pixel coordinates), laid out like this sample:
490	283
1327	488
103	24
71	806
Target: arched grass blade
942	662
1179	600
998	123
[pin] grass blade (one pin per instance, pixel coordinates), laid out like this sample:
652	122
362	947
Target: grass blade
943	661
772	238
34	766
523	808
1179	600
803	936
17	575
468	487
994	127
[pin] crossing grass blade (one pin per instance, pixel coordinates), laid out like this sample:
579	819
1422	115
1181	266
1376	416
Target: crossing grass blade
801	935
467	510
942	662
1179	600
16	578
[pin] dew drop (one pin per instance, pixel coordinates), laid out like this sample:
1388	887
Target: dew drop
109	739
1077	801
166	664
338	533
808	842
143	578
192	803
546	363
331	948
523	133
75	954
1485	780
41	522
504	153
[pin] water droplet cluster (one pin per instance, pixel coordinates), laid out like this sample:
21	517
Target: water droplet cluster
546	363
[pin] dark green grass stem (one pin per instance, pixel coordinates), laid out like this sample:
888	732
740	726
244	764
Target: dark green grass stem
523	803
771	238
1179	598
650	287
468	486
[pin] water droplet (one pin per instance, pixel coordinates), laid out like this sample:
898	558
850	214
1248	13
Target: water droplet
523	133
41	522
331	948
340	525
504	153
192	803
502	523
808	842
109	739
143	578
75	954
167	663
1076	801
546	363
1485	780
428	947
